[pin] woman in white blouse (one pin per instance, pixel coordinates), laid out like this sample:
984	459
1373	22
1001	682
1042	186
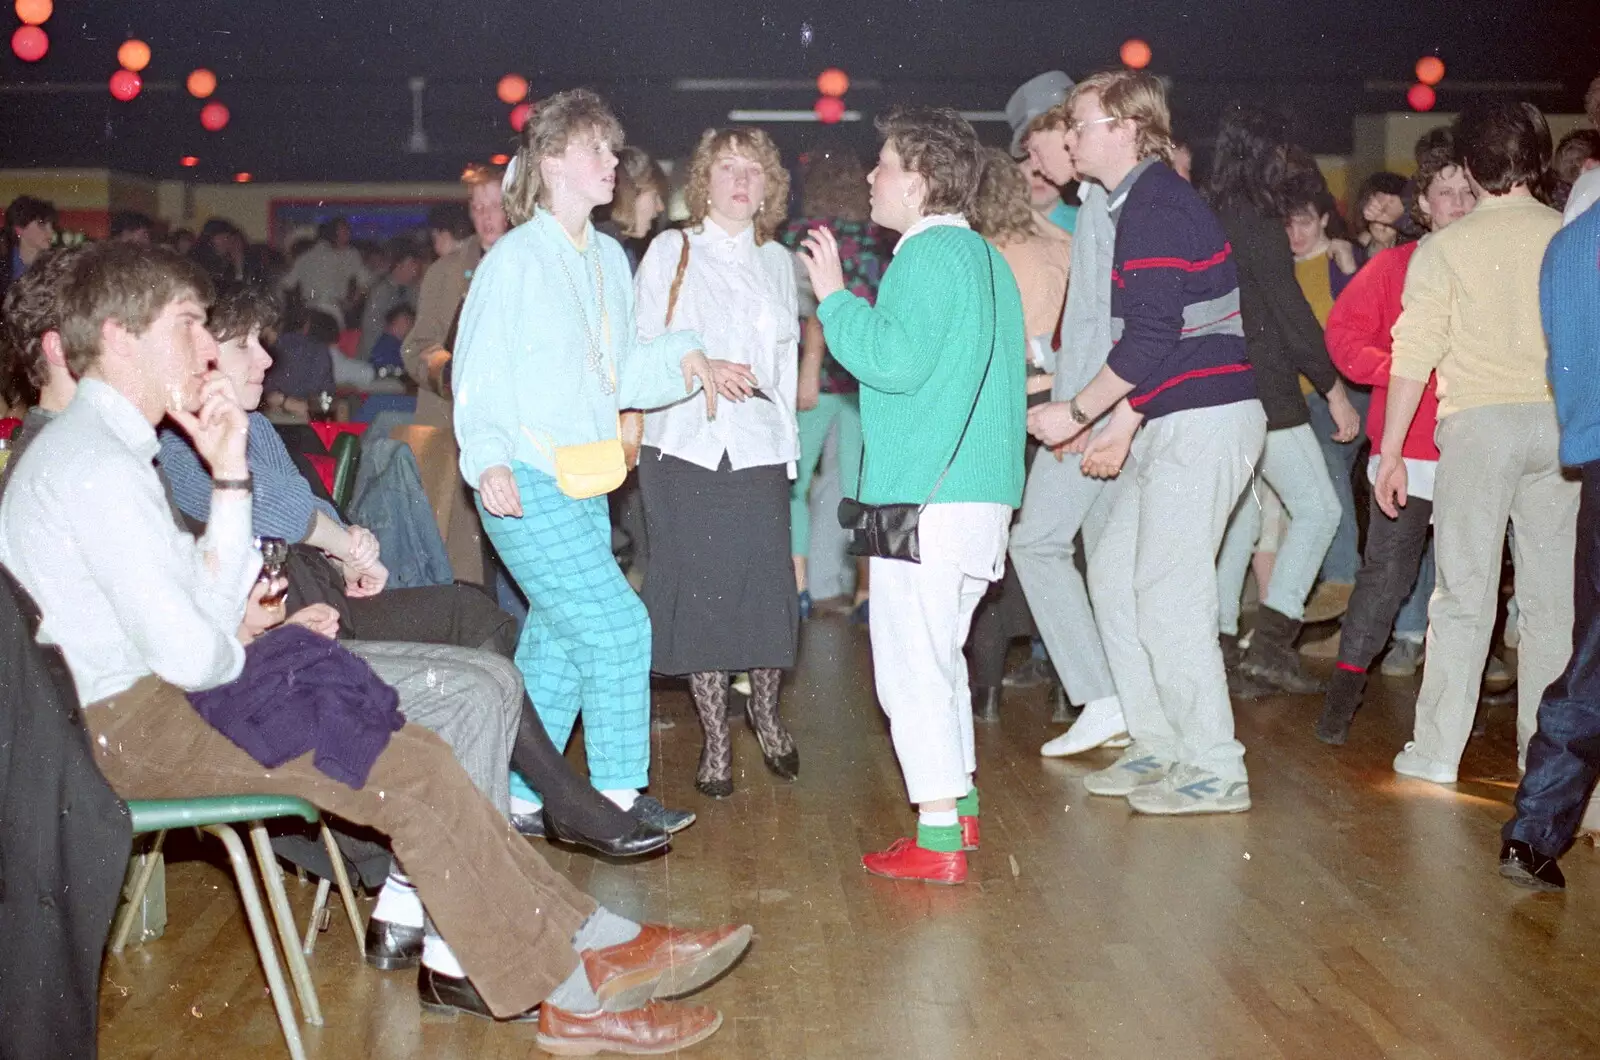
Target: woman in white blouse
720	588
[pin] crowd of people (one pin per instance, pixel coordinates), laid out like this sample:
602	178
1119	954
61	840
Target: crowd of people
1146	385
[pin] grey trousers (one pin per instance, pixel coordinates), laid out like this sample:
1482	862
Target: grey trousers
470	699
1058	502
1159	549
1496	463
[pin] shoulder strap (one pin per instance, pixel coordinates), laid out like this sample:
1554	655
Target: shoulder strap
677	278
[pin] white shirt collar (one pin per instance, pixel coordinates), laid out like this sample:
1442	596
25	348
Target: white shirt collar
709	231
933	220
120	414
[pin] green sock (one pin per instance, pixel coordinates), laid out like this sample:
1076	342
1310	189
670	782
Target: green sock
967	805
941	838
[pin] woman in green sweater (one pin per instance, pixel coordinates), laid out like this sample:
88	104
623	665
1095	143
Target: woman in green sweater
940	362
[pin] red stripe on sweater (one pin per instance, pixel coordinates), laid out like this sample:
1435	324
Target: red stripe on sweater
1209	324
1180	263
1352	668
1198	373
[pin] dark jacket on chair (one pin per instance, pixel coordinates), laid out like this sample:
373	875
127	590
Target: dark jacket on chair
64	842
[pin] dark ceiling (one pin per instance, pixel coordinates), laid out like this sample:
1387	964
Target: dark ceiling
318	89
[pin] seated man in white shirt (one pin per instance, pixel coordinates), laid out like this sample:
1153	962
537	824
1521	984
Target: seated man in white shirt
142	613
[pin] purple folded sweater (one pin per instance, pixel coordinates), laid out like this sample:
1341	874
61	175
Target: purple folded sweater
302	692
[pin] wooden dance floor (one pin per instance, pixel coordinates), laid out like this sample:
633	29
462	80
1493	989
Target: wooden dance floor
1351	914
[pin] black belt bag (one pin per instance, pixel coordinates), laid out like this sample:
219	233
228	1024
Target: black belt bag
889	531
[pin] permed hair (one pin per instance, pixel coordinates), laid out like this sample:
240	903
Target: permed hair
1435	152
32	308
125	282
242	310
834	184
552	126
1129	95
1002	211
1249	163
754	144
939	145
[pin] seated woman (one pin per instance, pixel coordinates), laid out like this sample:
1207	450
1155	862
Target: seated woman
459	615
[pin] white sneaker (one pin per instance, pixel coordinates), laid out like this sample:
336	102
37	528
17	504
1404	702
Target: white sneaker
1133	770
1413	763
1190	789
1099	724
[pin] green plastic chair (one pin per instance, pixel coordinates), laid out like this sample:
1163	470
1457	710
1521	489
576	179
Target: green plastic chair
217	815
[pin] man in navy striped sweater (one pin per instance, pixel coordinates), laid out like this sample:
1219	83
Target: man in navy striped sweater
1178	369
1564	754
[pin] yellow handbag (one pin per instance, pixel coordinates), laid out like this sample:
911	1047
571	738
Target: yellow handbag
588	470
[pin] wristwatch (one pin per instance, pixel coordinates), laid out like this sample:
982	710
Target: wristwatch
1077	414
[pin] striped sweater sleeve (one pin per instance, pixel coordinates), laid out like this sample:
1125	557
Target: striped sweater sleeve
1148	289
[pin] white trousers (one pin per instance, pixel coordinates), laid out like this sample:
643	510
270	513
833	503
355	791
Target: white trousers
919	620
1159	549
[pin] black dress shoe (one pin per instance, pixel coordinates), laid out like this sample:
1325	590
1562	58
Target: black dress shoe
985	704
786	766
717	788
651	812
643	839
392	946
1526	867
445	995
530	825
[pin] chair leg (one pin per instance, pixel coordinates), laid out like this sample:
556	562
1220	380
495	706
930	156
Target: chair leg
278	899
319	910
141	882
346	895
265	950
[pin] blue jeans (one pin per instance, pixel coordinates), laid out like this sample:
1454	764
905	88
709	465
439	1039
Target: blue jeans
1344	557
1564	754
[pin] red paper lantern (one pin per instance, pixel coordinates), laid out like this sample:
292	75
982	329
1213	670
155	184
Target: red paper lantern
29	43
134	55
513	88
500	160
829	110
242	178
125	85
214	117
520	114
188	161
35	12
833	82
1430	69
1421	97
1135	54
201	83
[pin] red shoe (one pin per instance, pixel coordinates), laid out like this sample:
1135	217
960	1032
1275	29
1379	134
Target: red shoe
904	860
969	833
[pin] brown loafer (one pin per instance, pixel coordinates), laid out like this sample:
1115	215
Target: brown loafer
662	962
656	1028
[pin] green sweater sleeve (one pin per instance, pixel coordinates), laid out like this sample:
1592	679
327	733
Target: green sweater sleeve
894	346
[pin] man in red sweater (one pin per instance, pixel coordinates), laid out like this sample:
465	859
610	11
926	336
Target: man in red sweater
1359	344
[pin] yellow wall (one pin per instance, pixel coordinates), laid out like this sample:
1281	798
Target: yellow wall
1387	141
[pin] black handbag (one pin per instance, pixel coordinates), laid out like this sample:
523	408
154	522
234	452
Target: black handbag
889	531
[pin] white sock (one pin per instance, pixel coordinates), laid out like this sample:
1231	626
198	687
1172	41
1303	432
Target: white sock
603	928
623	797
398	902
938	818
524	806
437	956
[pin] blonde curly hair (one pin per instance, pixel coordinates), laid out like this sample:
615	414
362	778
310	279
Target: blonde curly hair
1002	211
754	144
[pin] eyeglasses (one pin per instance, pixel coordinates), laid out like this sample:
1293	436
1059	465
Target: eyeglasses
1077	127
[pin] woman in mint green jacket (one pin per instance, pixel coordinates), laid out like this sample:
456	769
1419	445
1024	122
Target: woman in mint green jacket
546	357
941	361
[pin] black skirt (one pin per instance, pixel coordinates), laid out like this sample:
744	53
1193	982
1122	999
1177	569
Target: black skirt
720	584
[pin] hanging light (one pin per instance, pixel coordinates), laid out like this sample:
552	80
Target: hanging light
520	114
829	110
242	178
214	117
35	12
201	83
1422	97
29	43
188	161
134	55
1430	69
126	85
513	88
1135	54
833	82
